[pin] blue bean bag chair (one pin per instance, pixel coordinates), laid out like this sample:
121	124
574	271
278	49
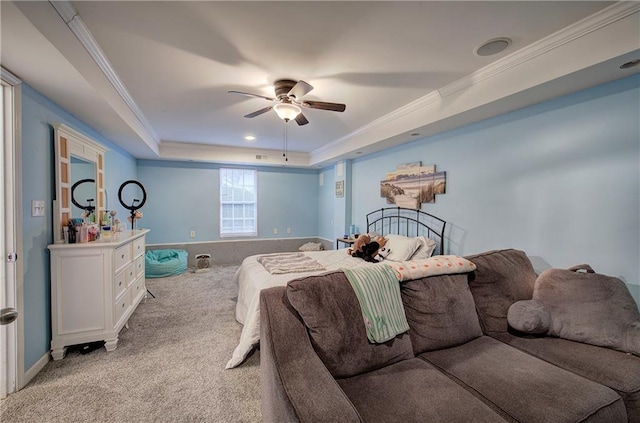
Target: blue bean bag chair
163	263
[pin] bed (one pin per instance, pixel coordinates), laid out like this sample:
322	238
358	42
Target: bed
252	276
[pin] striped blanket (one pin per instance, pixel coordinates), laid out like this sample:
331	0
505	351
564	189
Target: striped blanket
378	292
281	263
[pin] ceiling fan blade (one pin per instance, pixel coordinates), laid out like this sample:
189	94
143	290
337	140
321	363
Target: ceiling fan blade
258	112
300	89
301	120
252	95
322	105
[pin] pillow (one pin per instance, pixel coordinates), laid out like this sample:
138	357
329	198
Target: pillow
529	316
438	265
425	249
400	247
331	312
311	246
584	307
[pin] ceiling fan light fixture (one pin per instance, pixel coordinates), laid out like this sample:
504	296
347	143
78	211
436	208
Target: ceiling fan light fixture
287	111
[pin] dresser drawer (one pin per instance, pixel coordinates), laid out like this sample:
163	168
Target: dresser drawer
121	307
138	247
122	256
139	265
136	290
129	274
119	284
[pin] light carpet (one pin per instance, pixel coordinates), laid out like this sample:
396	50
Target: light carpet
168	367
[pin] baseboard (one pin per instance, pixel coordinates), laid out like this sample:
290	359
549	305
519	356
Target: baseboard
232	251
35	369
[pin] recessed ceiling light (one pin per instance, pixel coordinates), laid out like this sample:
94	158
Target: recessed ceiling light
630	64
249	138
493	46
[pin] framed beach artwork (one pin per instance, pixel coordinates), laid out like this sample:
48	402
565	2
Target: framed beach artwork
412	184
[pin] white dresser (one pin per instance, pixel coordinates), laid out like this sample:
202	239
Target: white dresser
95	287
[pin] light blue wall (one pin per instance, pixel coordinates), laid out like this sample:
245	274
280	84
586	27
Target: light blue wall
327	199
559	180
184	197
38	115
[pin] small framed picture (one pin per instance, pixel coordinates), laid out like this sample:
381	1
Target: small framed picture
339	188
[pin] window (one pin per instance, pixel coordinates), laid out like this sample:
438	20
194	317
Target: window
238	202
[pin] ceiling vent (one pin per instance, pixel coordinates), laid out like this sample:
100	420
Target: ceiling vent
493	46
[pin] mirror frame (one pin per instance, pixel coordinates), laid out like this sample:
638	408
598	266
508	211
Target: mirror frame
69	142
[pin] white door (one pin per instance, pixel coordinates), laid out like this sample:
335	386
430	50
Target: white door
8	263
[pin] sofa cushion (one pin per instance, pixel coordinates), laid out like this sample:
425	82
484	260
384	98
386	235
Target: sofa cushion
585	307
330	310
524	387
413	391
501	278
440	311
615	369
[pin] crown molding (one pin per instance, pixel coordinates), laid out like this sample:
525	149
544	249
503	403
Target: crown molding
559	38
8	77
422	102
75	23
592	23
174	150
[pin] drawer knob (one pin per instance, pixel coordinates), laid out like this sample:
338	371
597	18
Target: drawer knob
123	256
119	283
122	305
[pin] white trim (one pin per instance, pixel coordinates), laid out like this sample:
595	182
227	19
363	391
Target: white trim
16	377
8	77
84	138
357	139
35	369
418	104
559	38
19	232
75	23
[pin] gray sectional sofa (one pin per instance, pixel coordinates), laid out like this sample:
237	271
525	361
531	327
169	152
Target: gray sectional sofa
459	361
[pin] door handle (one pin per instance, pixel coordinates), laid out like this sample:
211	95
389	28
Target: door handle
8	315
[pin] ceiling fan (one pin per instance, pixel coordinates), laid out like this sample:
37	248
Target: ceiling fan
288	101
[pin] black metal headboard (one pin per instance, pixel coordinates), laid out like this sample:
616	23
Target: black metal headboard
408	222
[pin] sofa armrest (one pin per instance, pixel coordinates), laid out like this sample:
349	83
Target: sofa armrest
295	384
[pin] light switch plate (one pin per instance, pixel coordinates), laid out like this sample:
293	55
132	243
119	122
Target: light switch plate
37	208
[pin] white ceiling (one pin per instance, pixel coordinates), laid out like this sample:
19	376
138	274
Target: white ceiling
400	67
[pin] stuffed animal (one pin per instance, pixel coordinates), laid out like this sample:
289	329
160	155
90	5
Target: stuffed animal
369	251
359	243
383	253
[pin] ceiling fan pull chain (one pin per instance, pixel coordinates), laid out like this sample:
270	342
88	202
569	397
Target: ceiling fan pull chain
286	143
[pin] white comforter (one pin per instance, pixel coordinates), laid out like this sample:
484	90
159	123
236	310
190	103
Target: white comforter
252	277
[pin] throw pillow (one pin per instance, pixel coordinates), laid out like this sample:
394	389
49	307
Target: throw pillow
438	265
